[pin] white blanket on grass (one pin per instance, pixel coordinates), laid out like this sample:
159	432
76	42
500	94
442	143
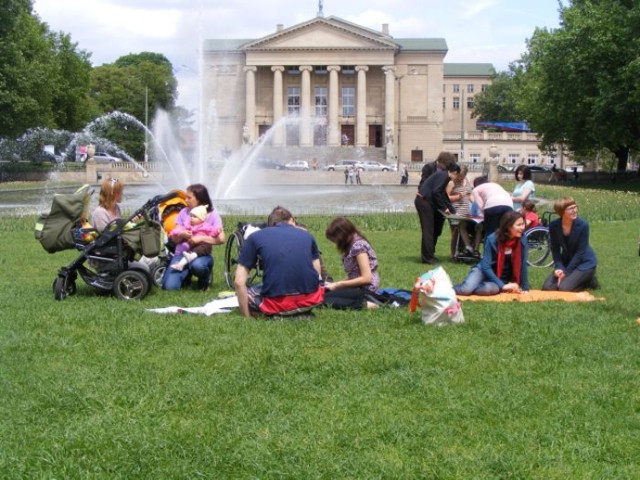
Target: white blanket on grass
223	305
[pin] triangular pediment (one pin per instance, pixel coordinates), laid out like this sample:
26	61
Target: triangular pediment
331	33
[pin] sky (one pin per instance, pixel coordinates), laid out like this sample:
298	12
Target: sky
485	31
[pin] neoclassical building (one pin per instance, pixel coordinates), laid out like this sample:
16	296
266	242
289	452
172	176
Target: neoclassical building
333	90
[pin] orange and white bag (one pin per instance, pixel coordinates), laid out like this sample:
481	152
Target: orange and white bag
433	292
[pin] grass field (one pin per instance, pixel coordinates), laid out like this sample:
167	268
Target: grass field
94	387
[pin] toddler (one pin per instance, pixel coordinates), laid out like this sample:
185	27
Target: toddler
199	226
530	216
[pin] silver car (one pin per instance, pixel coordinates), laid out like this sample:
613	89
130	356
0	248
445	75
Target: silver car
101	157
297	165
372	165
341	165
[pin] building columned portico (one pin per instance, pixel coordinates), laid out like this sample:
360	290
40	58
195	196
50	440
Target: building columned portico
322	88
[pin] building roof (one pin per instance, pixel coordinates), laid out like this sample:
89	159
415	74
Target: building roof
468	69
421	44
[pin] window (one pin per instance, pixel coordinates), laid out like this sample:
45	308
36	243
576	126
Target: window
348	101
456	88
293	70
293	100
484	87
321	70
349	70
456	103
532	159
470	102
470	88
321	101
474	157
513	158
444	103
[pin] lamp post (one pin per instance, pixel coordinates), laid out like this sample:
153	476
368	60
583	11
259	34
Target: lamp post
462	127
146	124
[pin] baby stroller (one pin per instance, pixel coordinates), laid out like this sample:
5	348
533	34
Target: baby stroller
108	259
166	213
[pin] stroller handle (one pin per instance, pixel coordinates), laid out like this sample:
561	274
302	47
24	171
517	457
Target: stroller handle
167	196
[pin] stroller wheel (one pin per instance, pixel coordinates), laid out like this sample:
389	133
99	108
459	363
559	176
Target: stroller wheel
157	273
131	285
63	286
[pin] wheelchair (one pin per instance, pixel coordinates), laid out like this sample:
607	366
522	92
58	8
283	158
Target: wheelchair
232	253
538	249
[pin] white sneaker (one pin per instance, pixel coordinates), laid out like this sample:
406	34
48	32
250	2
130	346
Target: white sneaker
190	256
179	266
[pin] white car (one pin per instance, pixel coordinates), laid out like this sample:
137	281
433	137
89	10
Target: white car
372	165
341	165
297	165
101	157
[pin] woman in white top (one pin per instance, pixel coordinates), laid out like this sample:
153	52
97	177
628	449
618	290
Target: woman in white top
524	189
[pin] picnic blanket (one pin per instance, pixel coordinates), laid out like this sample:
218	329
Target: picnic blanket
533	296
222	305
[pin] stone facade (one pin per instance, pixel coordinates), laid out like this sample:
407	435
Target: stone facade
334	90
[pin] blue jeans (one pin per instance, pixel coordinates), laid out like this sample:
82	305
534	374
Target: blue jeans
201	267
476	284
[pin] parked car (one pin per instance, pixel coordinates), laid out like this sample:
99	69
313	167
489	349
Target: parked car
341	165
45	156
297	165
372	165
506	168
268	163
102	157
538	169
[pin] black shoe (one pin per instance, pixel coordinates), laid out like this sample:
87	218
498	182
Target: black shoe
433	261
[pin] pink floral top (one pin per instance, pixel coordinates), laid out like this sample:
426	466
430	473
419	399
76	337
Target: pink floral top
350	263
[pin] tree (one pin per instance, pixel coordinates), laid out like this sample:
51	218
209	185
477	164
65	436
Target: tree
582	85
499	101
124	86
43	78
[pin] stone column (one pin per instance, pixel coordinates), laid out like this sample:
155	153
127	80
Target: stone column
389	109
361	106
334	106
305	106
250	103
278	132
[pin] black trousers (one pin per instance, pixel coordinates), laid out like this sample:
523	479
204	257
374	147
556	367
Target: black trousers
431	223
350	298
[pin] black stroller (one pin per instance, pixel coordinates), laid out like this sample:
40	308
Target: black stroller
108	259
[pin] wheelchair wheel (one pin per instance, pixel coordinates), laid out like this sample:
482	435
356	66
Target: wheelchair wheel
131	285
231	254
539	252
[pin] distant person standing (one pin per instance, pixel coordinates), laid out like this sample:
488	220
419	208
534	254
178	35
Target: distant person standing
431	203
576	174
346	175
404	175
358	179
444	159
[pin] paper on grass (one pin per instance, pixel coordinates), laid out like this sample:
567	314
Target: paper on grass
223	305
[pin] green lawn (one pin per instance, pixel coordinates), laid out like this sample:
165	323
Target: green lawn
94	387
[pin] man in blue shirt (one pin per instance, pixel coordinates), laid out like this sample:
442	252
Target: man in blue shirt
290	262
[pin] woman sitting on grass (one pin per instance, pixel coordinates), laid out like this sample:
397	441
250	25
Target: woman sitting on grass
360	263
574	260
503	267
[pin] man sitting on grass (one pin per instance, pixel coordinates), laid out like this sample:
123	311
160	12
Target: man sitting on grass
290	263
